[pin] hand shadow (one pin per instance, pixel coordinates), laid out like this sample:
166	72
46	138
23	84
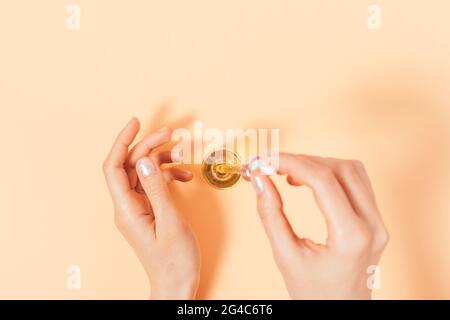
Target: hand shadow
200	205
405	108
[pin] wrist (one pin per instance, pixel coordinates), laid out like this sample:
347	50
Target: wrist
184	291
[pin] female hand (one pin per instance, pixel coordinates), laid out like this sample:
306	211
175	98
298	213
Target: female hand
356	234
148	218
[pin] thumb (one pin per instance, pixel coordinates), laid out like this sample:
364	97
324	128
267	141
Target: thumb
270	209
155	187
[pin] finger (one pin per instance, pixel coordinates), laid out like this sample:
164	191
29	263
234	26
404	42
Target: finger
113	166
170	175
181	175
270	210
147	144
365	177
355	181
159	158
155	187
142	149
132	176
327	191
163	157
293	182
166	156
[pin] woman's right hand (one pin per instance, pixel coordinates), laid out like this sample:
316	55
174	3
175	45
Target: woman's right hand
356	233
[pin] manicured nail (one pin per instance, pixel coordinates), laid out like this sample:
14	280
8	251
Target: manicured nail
262	167
246	173
146	167
258	184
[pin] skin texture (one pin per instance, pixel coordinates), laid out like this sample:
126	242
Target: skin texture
146	215
148	219
356	233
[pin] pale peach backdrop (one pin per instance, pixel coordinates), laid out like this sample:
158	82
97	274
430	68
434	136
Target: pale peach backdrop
310	68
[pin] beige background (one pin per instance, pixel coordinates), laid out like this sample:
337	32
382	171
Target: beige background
310	68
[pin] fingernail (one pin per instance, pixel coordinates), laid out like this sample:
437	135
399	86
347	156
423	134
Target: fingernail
245	173
146	167
258	184
262	167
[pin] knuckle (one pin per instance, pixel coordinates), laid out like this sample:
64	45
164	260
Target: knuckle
325	176
348	167
155	157
122	222
359	241
267	209
356	165
265	213
381	240
154	189
267	206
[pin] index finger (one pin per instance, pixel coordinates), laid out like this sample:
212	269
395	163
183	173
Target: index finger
328	193
113	166
147	144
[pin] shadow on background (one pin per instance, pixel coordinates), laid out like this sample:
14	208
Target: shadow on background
200	205
407	124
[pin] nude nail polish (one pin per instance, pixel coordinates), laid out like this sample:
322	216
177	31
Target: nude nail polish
146	167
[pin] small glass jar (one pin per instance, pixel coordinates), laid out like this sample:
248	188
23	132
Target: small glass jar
222	168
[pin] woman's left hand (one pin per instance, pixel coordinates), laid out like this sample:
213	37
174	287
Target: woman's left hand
146	215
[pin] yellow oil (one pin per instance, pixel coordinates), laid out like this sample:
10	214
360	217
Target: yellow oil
221	169
225	168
